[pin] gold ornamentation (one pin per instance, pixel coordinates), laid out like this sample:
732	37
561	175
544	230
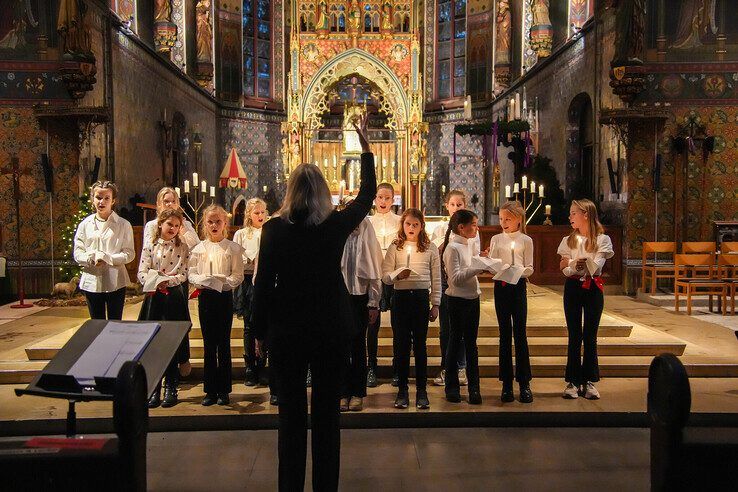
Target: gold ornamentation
399	52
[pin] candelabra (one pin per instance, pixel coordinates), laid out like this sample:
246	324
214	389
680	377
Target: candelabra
527	196
196	200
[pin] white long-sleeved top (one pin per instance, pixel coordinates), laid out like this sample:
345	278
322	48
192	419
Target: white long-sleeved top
114	237
165	256
385	227
439	235
188	234
427	265
249	238
224	259
461	277
500	246
361	263
603	252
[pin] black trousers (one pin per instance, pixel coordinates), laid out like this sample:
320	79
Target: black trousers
354	377
98	302
586	304
372	334
464	325
444	326
410	329
326	361
216	319
249	341
511	305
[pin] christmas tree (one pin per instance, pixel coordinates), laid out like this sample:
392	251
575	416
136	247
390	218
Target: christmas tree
71	269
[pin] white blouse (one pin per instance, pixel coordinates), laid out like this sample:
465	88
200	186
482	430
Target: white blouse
165	256
439	236
500	246
110	240
462	278
250	246
361	263
603	252
188	233
427	266
386	227
223	259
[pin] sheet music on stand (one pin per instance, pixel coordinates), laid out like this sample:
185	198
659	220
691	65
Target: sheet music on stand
117	343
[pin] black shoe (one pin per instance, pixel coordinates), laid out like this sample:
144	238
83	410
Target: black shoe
170	396
223	399
526	395
507	395
210	399
309	381
453	397
273	400
263	378
395	381
371	378
250	378
475	398
402	400
421	400
155	399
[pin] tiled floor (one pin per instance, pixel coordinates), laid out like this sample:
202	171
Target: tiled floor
415	459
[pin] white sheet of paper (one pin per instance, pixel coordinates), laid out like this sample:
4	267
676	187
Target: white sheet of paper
591	266
492	265
511	274
152	280
251	255
213	282
117	343
397	272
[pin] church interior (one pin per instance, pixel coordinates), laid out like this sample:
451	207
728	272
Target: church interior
632	104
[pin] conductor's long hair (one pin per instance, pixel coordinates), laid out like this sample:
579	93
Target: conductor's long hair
423	239
308	199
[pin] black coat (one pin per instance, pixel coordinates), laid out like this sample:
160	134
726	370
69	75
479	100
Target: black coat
300	296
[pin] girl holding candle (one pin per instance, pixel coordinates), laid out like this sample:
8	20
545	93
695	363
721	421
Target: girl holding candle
216	268
462	296
513	247
583	296
168	255
385	223
249	238
412	265
455	200
103	245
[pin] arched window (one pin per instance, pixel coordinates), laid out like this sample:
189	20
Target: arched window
257	48
451	48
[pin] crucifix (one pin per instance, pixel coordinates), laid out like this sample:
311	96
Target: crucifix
14	171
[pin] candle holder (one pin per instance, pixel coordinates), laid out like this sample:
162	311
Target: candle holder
526	196
548	222
195	200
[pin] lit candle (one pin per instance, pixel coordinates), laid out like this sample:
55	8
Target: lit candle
517	108
409	250
195	180
516	188
178	191
203	186
524	182
532	186
525	103
211	268
540	191
512	251
351	178
341	188
334	161
443	189
511	114
548	209
580	249
187	185
318	165
325	162
507	191
212	191
264	188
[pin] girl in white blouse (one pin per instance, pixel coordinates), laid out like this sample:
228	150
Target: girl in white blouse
165	261
413	267
513	247
167	199
103	245
216	268
583	255
463	303
249	238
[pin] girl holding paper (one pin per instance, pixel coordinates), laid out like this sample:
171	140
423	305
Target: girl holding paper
163	271
513	247
249	237
583	254
216	268
412	265
103	245
463	303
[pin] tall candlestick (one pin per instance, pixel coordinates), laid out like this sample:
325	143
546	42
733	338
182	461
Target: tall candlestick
517	105
177	191
203	186
341	188
516	188
525	103
540	191
325	162
212	191
334	161
351	178
195	180
507	191
512	251
187	185
524	182
512	110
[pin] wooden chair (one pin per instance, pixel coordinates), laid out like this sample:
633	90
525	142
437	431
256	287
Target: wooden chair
728	273
689	279
651	270
729	247
698	247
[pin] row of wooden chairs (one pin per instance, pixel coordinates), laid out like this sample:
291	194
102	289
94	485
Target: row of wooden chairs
697	270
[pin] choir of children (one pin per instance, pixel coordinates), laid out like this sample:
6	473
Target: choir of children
388	262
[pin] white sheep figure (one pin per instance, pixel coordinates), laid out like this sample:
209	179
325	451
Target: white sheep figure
66	288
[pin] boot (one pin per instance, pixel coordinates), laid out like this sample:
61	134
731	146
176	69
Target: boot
507	392
155	399
170	396
250	379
